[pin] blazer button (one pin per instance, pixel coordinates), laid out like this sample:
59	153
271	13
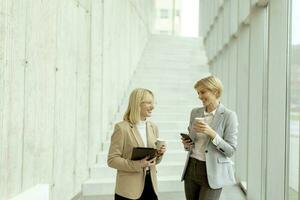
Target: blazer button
206	151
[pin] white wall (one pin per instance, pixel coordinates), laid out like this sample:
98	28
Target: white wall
64	68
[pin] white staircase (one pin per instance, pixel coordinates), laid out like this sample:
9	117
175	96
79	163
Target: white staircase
169	67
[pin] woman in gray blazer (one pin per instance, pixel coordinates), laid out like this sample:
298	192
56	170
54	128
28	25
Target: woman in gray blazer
213	140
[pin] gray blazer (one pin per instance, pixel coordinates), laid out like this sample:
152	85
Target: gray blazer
218	164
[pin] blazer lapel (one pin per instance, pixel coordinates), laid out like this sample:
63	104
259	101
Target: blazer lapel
150	135
218	117
137	135
200	112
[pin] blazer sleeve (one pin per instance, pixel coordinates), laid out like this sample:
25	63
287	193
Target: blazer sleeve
189	128
155	130
115	159
191	121
227	145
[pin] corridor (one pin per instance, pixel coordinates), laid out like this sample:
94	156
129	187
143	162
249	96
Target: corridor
169	67
67	68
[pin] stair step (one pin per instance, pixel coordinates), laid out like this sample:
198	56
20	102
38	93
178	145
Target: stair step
102	171
93	187
172	144
169	134
167	131
165	108
172	134
172	117
183	116
171	156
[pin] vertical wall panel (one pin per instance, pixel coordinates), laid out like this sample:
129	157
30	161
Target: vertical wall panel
95	108
224	75
258	40
115	25
3	68
84	4
65	100
233	16
13	16
39	92
81	168
107	65
242	103
277	92
232	76
226	21
244	10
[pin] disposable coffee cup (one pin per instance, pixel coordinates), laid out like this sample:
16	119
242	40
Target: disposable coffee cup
159	142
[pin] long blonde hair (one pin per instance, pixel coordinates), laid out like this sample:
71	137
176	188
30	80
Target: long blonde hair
137	96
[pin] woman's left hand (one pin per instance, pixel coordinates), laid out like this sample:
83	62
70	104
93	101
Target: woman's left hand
161	151
202	127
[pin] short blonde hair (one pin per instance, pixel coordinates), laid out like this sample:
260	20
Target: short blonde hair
133	111
211	83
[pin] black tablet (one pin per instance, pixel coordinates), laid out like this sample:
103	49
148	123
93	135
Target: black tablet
139	153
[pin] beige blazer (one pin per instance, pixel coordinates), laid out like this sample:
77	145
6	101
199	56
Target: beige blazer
130	174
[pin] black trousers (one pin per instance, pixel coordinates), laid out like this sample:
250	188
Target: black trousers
148	192
196	185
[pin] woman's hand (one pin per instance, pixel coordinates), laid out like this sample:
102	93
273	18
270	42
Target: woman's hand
187	143
202	127
147	163
161	151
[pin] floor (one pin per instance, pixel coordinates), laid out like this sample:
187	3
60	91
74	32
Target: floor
228	193
293	195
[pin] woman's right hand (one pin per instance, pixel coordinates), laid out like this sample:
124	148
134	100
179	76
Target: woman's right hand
147	163
187	143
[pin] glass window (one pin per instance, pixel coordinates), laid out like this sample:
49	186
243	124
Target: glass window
242	105
294	103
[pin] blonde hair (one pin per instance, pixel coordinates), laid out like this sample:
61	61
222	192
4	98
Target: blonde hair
211	83
137	96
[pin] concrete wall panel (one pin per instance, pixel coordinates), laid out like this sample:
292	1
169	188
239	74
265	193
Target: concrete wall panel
81	167
84	4
65	68
3	140
3	134
65	100
39	86
115	25
95	110
12	96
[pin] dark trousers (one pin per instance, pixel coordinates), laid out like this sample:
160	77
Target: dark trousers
196	184
148	192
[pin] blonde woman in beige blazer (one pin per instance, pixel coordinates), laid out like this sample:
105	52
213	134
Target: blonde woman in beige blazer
135	179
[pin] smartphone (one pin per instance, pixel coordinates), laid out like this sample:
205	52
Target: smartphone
185	136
